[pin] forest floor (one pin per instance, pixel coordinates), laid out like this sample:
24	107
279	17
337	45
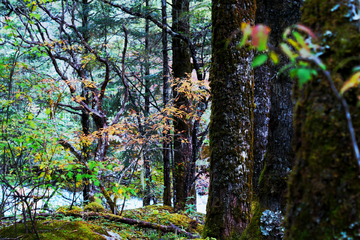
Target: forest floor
151	222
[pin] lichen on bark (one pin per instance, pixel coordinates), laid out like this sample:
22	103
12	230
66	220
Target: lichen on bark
231	127
324	189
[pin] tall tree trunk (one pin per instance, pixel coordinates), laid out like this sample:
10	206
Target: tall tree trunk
324	189
262	99
166	137
279	157
147	192
231	127
85	117
182	129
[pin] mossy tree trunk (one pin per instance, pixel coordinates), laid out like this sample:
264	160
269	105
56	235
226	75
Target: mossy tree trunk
182	129
231	127
324	189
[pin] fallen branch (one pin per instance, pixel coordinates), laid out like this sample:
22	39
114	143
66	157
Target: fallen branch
115	218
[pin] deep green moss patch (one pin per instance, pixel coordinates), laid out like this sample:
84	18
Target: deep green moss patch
166	215
56	230
72	227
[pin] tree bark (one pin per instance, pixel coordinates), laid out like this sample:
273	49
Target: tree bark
324	189
147	192
85	117
166	137
231	127
271	172
182	129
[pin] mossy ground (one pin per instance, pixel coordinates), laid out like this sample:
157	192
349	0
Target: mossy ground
56	230
76	228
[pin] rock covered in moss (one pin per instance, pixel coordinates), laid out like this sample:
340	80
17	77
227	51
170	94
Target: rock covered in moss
66	209
94	207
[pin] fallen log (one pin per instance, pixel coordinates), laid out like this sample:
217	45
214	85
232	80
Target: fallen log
115	218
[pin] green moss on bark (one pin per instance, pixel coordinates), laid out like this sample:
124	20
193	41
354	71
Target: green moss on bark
253	231
324	189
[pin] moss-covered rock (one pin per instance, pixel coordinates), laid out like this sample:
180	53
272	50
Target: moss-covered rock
67	210
94	207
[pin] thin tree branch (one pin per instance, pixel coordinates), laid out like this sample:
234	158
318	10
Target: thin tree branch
72	149
122	109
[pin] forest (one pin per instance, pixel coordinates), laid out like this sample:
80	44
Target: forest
181	119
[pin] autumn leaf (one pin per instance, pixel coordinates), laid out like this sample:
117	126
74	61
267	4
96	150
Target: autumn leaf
352	82
286	49
306	29
274	57
246	29
259	36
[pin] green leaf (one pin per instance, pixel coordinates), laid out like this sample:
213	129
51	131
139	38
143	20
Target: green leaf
70	174
32	124
96	183
48	111
304	74
299	39
79	177
259	60
92	164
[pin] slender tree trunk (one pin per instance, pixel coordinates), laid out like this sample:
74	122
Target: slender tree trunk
147	193
85	123
262	76
231	127
85	118
166	137
182	129
324	189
